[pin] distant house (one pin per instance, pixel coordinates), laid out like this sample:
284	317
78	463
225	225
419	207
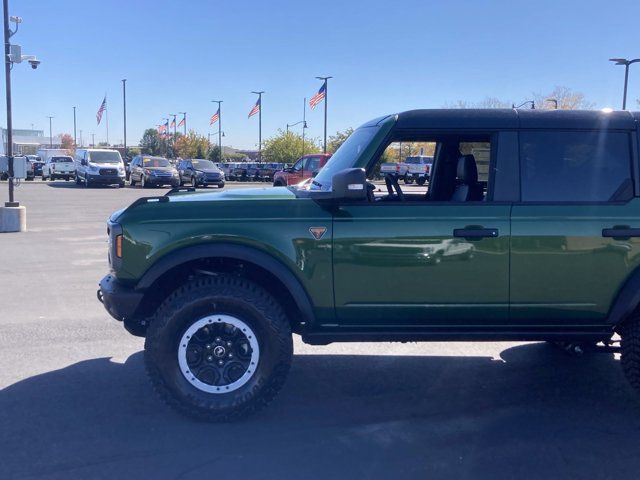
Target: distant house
27	142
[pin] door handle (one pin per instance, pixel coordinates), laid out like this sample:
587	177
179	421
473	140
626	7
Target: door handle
622	232
472	233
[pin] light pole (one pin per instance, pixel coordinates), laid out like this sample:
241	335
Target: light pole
184	121
12	54
93	139
219	102
326	99
554	101
626	63
50	132
75	142
259	124
533	105
124	109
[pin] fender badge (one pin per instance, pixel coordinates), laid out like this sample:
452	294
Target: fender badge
317	232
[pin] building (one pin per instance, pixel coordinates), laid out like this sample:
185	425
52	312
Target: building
27	142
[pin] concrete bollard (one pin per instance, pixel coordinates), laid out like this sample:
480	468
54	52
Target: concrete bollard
13	219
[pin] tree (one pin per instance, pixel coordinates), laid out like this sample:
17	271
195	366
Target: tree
66	141
567	100
150	143
214	154
487	102
191	145
335	141
286	147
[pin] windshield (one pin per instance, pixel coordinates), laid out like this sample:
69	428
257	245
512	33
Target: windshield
203	164
418	160
156	162
61	160
345	156
105	157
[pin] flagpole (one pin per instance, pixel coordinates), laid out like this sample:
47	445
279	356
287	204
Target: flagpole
259	125
106	108
326	99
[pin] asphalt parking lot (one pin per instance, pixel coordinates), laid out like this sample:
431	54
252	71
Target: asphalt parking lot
75	401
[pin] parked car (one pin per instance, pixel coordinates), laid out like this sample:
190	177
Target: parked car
153	171
418	169
543	248
37	163
239	171
253	171
96	166
200	172
305	167
62	167
266	171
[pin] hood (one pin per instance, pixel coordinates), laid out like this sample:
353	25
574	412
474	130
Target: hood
273	193
160	169
208	170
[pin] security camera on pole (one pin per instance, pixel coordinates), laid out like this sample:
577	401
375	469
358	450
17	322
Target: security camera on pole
13	217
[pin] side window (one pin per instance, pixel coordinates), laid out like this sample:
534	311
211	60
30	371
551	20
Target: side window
575	166
299	164
313	164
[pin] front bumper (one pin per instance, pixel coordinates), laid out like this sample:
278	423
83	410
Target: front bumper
153	180
104	179
119	300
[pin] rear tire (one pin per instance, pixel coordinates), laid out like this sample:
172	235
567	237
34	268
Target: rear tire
421	181
630	352
184	321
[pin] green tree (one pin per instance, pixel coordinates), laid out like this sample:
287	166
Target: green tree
214	154
150	143
338	139
191	145
286	147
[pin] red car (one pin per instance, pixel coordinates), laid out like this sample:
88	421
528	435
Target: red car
305	167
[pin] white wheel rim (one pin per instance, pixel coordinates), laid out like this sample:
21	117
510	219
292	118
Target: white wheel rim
212	320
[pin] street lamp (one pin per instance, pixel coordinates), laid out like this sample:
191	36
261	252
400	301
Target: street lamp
12	55
533	105
75	143
50	132
626	63
554	101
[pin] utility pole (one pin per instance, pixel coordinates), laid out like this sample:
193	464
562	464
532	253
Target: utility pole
304	121
50	132
326	100
93	139
124	108
75	142
81	142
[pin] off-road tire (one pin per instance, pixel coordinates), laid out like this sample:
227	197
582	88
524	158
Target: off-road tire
630	352
210	295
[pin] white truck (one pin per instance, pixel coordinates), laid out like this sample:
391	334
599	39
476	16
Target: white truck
418	168
59	166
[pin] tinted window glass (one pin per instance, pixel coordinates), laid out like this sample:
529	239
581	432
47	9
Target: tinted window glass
575	166
156	162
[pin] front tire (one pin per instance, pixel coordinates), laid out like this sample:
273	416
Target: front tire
630	348
219	348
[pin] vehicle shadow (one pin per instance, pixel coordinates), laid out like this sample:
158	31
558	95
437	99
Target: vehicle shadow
533	413
72	184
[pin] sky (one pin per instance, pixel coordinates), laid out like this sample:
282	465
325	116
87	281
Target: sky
384	57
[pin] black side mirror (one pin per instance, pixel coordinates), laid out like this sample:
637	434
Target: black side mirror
350	184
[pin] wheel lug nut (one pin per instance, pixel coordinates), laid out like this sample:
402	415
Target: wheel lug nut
220	362
209	358
208	346
230	355
228	344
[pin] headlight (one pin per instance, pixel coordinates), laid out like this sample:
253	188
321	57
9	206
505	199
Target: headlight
93	168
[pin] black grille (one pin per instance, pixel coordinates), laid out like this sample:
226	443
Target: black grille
108	171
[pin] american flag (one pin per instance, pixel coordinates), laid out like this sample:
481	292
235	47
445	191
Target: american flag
255	109
173	122
318	97
215	117
101	110
181	122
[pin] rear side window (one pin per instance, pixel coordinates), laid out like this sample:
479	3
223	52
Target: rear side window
575	166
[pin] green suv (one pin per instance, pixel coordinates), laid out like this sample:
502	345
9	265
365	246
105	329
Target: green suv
528	231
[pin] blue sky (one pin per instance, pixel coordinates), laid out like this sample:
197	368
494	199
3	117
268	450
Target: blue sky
385	56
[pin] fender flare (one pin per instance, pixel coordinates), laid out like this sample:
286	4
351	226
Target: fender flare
236	252
627	300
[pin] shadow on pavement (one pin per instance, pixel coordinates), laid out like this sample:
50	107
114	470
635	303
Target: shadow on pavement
533	413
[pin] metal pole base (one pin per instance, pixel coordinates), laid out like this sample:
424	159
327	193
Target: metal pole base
11	204
13	219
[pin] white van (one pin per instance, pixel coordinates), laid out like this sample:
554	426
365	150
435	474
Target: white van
97	166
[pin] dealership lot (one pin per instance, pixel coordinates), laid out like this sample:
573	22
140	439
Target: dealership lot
75	401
